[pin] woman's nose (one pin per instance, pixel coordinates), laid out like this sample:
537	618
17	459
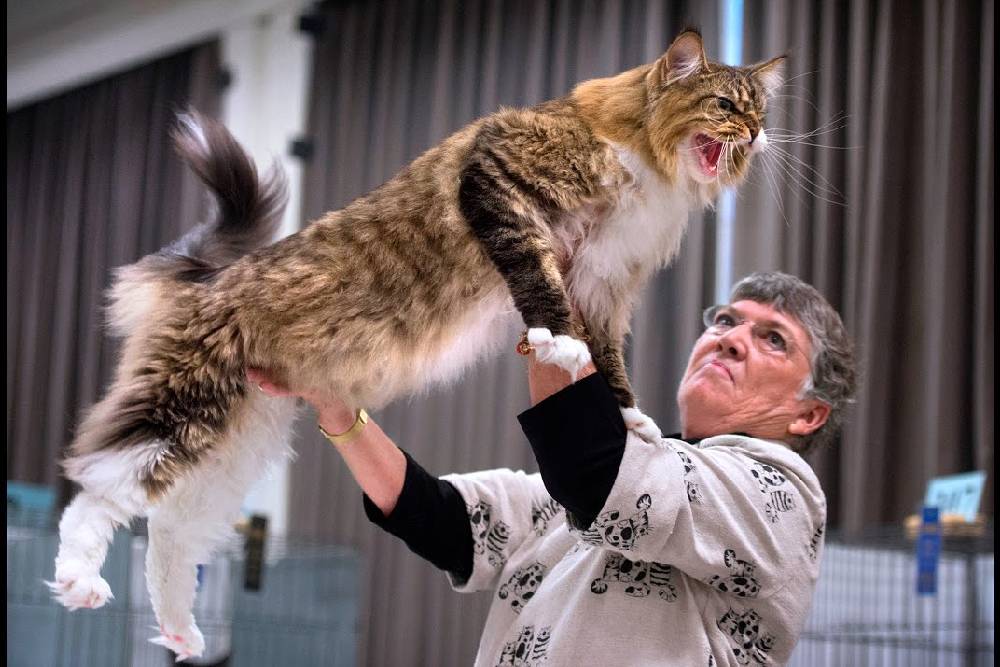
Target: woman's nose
734	342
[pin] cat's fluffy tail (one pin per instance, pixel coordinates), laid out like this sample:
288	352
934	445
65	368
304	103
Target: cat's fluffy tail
246	216
248	208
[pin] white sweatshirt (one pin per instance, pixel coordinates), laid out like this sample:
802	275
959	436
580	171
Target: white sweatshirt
704	554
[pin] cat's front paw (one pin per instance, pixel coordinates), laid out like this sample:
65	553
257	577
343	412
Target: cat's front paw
77	588
566	352
643	426
186	643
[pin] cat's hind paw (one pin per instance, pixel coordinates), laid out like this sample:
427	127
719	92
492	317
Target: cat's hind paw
75	589
186	643
566	352
641	424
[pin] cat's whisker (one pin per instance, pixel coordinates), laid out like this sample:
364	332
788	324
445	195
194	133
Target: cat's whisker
790	137
779	104
800	179
767	179
789	87
777	148
823	182
790	79
724	162
813	144
794	170
780	136
790	177
799	138
839	121
768	170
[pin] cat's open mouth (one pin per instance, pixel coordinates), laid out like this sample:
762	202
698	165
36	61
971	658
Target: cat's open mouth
709	151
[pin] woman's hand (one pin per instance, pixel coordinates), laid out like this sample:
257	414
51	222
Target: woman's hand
374	460
332	413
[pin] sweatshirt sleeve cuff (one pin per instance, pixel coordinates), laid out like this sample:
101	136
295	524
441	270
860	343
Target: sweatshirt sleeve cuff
431	518
578	437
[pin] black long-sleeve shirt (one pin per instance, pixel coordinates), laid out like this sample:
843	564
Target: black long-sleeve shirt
578	438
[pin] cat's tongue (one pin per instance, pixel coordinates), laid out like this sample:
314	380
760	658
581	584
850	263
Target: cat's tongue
709	151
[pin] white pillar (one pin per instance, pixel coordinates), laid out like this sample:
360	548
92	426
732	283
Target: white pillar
265	108
732	54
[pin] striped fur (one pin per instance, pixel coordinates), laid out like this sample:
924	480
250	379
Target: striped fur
559	213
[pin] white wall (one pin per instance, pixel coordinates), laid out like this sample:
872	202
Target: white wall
265	108
57	45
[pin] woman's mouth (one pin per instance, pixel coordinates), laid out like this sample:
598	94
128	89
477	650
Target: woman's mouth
709	151
723	369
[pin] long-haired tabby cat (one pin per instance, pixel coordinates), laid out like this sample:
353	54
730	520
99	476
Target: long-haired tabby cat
561	211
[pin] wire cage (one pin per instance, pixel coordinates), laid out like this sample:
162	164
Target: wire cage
305	612
866	610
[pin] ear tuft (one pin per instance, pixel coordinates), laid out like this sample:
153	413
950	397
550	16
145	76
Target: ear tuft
771	74
684	57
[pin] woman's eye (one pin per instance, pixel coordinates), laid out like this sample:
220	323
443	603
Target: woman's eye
727	105
724	320
776	342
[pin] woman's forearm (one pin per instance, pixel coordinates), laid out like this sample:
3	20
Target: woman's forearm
375	462
545	380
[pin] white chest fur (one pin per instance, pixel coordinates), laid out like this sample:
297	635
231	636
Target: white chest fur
611	251
641	233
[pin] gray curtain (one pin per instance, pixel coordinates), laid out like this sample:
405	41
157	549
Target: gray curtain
900	237
390	80
91	184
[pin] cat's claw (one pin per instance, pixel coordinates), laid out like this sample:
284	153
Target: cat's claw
187	643
566	352
642	425
75	589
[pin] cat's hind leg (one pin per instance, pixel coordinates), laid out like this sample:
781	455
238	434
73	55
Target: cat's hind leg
185	530
189	524
111	496
172	558
86	529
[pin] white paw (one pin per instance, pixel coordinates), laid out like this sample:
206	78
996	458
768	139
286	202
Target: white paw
643	426
186	643
566	352
74	588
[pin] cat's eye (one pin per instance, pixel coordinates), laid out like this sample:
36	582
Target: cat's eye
727	105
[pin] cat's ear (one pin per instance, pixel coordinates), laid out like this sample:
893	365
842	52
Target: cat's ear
771	74
684	57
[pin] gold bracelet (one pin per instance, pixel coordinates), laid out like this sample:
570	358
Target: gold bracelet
350	434
523	347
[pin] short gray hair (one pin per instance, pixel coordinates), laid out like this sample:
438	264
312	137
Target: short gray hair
833	377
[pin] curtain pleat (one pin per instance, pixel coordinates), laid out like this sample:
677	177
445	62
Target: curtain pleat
891	217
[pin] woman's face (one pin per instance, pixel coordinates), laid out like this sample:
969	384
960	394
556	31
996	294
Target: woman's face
746	376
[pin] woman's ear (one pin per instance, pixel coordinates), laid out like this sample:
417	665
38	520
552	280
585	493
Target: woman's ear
812	416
